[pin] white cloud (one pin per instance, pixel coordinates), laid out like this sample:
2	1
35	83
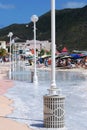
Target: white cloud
74	4
6	6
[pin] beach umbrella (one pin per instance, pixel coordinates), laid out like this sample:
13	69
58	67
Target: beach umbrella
30	57
45	56
75	56
82	55
65	57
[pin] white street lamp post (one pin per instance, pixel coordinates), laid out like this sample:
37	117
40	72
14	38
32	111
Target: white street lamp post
14	59
13	64
34	19
53	89
54	101
10	35
15	56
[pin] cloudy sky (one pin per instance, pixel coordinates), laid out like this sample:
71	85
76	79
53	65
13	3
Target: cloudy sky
20	11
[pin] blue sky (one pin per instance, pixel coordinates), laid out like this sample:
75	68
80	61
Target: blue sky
20	11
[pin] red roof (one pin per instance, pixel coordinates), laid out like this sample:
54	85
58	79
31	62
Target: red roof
64	49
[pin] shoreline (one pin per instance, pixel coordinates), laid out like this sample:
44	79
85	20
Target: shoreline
79	69
5	103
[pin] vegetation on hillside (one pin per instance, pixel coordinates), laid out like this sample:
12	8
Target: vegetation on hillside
71	29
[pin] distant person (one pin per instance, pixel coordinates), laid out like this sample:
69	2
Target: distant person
1	60
69	65
46	62
86	62
41	60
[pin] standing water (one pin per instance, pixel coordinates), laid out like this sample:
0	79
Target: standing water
28	99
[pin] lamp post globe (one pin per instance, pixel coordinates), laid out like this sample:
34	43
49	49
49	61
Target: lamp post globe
10	35
34	19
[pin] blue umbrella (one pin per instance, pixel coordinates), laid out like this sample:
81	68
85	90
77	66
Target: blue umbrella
75	56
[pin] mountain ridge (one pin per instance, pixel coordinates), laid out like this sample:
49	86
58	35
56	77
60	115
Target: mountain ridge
71	29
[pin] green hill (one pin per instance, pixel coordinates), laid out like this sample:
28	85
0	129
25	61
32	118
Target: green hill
71	29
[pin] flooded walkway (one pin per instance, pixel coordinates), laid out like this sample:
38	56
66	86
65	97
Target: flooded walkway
28	99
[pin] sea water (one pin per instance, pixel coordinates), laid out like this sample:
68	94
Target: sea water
28	99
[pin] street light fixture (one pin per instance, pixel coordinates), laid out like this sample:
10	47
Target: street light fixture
34	19
10	35
54	101
53	89
13	42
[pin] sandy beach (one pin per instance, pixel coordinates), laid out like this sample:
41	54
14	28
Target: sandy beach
5	103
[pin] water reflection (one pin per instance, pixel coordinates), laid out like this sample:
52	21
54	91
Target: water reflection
28	99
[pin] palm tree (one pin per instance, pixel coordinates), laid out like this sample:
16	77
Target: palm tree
2	52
